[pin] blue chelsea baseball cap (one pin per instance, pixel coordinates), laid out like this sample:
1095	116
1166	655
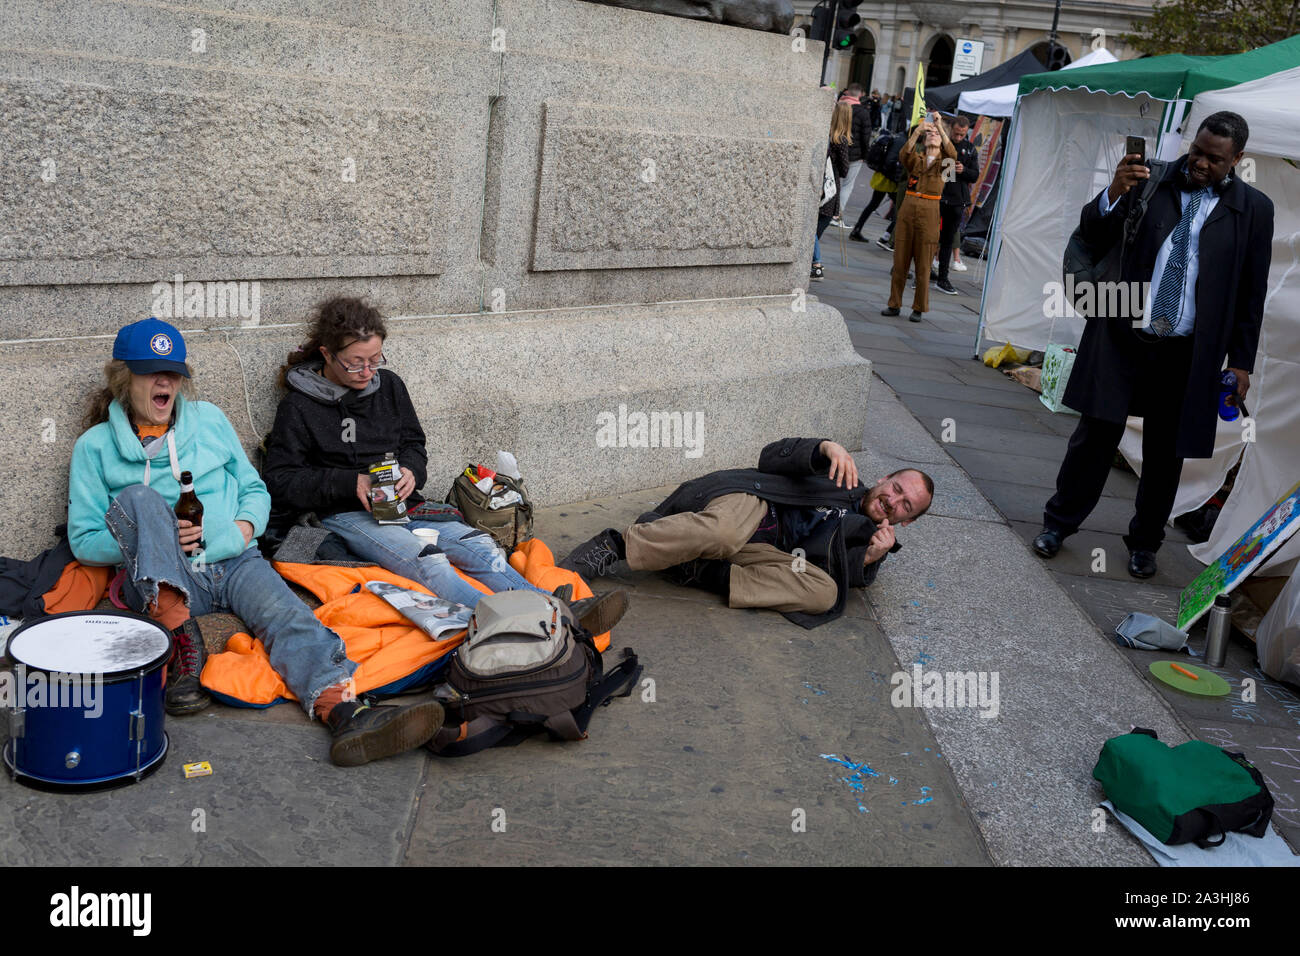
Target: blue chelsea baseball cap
151	345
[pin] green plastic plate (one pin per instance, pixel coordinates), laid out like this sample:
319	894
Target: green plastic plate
1209	685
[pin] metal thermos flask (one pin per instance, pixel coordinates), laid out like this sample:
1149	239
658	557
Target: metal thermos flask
1216	634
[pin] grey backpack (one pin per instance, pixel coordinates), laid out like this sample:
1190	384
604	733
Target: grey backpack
526	667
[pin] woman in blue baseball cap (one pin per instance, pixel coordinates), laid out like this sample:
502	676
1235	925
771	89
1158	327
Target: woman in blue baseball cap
142	430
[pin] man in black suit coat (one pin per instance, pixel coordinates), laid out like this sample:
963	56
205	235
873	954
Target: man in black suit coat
1204	246
792	535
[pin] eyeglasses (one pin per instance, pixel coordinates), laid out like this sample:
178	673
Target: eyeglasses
358	369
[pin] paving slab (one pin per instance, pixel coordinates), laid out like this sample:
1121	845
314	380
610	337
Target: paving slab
764	744
960	395
1044	444
1175	566
1025	503
273	798
933	411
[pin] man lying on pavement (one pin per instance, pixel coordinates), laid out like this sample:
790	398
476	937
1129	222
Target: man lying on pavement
792	535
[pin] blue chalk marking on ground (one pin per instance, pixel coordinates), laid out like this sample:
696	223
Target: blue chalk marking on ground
923	658
817	691
893	781
924	798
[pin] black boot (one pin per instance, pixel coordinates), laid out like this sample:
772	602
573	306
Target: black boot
600	613
185	695
594	558
363	733
709	574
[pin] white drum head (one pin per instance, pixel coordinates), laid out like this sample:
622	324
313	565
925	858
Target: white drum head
91	643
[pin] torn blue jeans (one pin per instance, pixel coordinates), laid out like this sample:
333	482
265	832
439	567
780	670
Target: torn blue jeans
394	548
308	655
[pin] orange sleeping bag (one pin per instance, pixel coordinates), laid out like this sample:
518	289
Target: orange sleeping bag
387	648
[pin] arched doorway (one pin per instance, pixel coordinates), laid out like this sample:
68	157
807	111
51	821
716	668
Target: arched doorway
938	61
864	60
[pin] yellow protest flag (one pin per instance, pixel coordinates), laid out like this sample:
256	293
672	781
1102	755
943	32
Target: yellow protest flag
918	98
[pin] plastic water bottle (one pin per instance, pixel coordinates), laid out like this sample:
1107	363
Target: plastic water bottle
1216	634
1228	388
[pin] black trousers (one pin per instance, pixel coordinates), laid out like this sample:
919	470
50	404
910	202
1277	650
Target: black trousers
949	219
1157	398
876	198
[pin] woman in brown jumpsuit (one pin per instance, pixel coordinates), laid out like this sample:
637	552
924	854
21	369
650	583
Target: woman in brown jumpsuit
916	235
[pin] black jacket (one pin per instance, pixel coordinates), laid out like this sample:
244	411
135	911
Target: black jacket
839	157
860	131
874	106
325	435
1235	248
793	472
957	192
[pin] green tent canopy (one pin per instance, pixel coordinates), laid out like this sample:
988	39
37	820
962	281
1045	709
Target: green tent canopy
1173	77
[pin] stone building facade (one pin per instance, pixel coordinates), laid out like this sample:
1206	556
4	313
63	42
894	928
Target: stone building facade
897	35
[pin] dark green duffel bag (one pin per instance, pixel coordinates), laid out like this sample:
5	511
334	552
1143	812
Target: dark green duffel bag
1192	793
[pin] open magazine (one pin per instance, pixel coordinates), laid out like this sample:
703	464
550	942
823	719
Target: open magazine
432	615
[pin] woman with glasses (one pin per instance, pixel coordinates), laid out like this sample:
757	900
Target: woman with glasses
344	411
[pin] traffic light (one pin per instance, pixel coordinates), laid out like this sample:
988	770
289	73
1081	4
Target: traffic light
846	24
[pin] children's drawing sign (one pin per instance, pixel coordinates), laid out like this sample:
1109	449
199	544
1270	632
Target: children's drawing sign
1246	554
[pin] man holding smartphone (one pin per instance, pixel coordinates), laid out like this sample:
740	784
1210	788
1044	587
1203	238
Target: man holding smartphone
1163	364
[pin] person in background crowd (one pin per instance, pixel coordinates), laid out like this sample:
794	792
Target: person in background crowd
956	197
858	150
884	184
873	105
918	220
837	150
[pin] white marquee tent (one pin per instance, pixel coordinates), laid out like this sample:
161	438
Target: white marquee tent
1001	100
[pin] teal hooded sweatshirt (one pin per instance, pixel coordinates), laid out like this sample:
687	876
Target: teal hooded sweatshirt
109	458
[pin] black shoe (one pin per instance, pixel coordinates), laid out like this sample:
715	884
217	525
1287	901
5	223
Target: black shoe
889	311
594	558
600	613
817	273
858	237
1142	564
884	243
914	317
564	592
945	287
1047	544
363	733
709	574
185	695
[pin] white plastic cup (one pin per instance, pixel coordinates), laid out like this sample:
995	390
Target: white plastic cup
427	535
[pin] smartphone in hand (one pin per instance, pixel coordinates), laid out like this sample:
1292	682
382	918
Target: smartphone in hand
1136	144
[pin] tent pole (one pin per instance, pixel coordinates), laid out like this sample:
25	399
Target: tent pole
995	226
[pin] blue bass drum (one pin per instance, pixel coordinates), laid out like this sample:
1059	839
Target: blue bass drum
87	700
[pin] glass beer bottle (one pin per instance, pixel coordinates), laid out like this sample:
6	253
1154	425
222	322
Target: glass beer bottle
188	507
